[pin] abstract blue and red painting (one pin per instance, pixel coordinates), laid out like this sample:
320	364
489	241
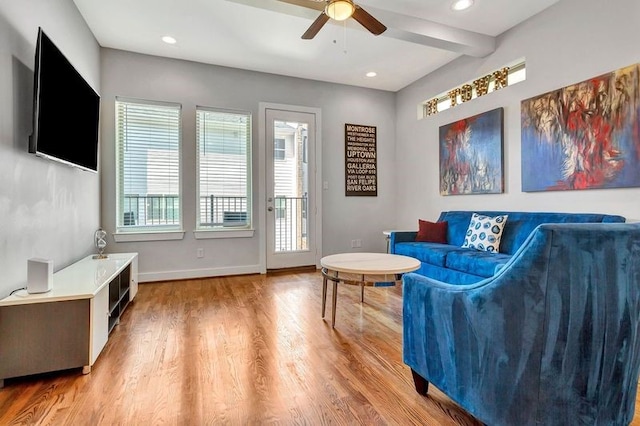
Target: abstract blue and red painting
584	136
471	155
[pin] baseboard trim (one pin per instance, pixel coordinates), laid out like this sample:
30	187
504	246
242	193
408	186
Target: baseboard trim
145	277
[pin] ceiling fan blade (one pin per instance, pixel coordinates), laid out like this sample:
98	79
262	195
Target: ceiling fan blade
369	22
315	27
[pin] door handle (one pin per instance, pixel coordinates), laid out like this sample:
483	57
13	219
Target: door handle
270	208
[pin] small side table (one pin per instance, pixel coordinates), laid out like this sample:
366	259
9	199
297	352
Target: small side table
363	269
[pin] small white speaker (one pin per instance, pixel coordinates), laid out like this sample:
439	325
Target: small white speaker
39	275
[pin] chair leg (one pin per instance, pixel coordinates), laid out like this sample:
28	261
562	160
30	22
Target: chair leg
421	384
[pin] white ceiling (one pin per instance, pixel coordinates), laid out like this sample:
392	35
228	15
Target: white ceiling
264	35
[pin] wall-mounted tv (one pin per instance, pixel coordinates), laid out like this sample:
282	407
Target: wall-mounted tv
66	110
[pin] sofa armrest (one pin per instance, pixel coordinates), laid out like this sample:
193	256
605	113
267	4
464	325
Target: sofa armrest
400	237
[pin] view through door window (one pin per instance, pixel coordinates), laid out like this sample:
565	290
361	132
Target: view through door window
291	186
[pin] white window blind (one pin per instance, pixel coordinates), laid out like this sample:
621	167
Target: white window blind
148	159
224	154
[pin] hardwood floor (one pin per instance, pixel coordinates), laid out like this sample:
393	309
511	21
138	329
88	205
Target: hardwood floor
241	350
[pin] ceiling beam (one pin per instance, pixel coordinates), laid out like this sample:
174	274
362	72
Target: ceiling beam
401	27
288	7
434	34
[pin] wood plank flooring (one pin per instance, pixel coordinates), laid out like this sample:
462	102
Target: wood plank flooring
241	351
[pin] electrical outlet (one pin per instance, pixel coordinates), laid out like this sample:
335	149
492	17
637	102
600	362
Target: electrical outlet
356	243
200	253
353	243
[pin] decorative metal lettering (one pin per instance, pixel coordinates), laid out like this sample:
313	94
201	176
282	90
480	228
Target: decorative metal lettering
466	92
431	107
482	85
478	87
453	96
500	78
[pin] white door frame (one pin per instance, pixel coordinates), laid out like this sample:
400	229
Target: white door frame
262	173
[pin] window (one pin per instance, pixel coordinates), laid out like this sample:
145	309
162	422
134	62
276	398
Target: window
148	161
224	162
279	150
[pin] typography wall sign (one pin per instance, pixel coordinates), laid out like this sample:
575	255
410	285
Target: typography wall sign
361	165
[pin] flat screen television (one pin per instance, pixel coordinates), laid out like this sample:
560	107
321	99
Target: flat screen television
66	110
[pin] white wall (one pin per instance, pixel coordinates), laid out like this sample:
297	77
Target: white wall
568	43
344	218
46	209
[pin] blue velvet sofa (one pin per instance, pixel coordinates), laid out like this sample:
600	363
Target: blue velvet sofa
552	339
455	265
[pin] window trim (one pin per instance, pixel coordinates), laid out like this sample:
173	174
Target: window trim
210	232
148	233
213	233
133	236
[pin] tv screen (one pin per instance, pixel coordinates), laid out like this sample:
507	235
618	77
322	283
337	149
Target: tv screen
66	110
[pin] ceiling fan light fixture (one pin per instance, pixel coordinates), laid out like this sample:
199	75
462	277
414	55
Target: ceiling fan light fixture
340	10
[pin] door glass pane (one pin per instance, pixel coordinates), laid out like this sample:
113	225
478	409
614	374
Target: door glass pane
291	186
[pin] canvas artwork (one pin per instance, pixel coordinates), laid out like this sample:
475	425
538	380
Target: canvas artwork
471	155
584	136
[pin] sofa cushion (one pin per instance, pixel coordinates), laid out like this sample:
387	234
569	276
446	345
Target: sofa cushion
482	263
484	232
433	253
430	232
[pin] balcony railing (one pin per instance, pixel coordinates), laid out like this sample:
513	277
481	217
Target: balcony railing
158	210
291	226
151	210
223	211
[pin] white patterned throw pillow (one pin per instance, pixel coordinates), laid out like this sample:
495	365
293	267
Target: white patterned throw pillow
484	232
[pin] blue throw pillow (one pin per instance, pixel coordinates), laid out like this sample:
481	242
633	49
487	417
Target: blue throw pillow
484	233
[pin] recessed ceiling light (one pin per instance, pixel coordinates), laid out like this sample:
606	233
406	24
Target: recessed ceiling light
462	4
169	40
371	74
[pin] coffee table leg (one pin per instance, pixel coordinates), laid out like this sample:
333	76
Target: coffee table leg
362	290
324	294
335	298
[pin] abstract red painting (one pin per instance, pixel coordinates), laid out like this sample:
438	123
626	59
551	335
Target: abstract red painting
584	136
471	155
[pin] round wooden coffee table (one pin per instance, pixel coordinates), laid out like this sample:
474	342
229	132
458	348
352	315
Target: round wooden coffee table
363	269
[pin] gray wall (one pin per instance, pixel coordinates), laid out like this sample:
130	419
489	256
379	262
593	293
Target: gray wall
568	43
49	210
138	76
46	209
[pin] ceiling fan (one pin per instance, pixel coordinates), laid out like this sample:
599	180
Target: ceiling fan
339	10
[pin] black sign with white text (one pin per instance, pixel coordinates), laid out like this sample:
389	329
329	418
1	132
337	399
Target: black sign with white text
361	165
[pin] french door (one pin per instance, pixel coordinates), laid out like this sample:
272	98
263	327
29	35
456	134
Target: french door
290	188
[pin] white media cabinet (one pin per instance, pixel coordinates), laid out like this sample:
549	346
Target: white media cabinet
68	326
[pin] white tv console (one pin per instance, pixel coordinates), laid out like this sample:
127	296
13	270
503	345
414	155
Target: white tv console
68	326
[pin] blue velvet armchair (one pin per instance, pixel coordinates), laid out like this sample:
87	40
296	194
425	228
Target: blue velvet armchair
552	339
